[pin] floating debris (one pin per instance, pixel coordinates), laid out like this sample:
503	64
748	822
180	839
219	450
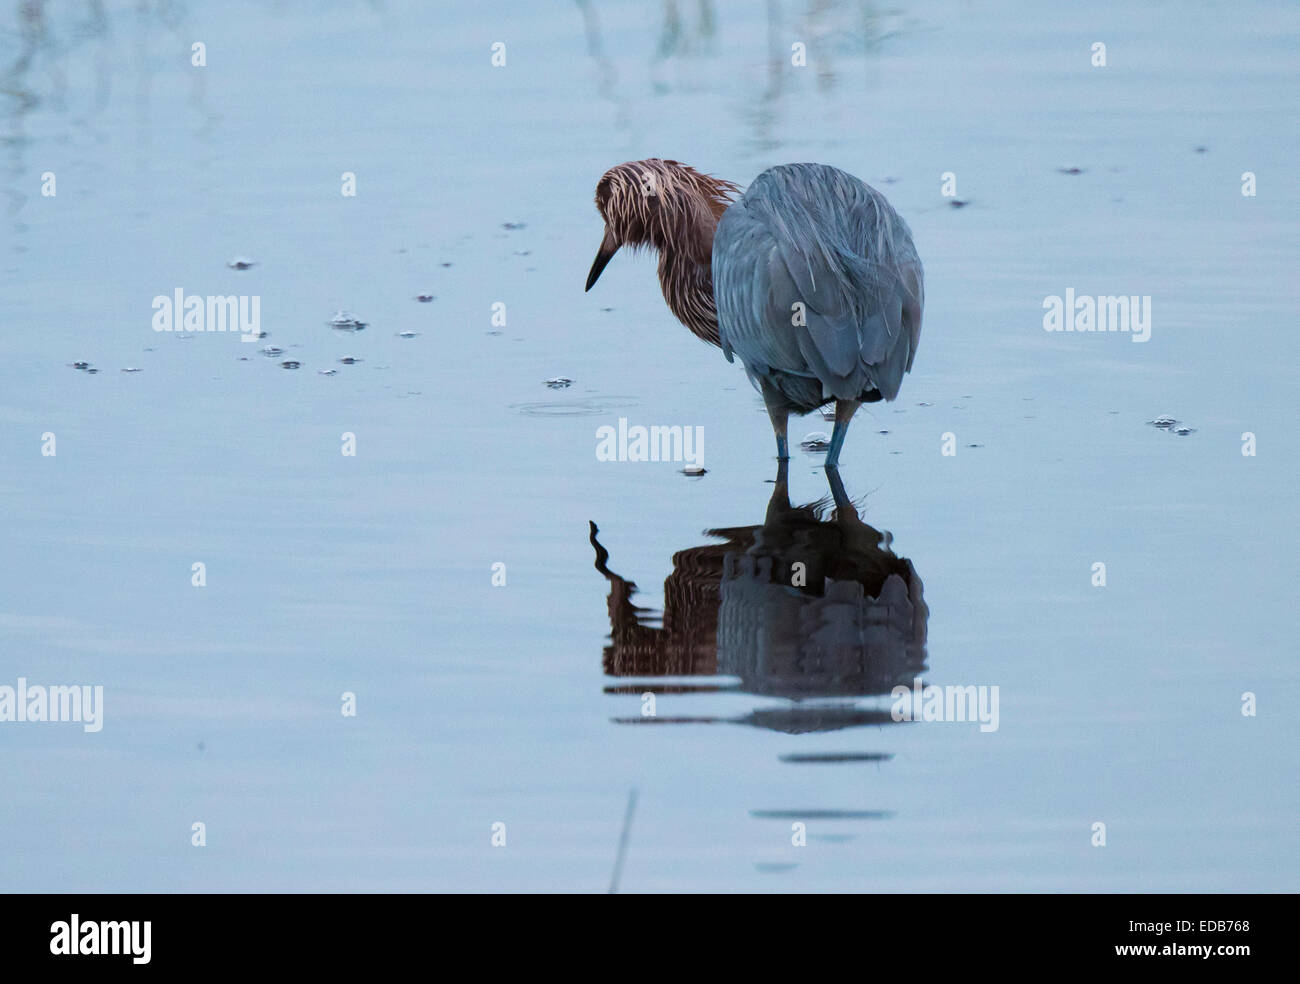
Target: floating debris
290	365
342	321
425	298
559	383
1172	426
925	404
444	264
694	470
407	334
1200	150
241	263
130	369
816	441
882	432
91	371
959	203
513	225
349	360
270	351
326	372
1070	170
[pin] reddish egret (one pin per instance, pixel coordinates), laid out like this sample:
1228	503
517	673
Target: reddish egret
810	277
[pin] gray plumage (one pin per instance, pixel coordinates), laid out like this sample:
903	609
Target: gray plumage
812	235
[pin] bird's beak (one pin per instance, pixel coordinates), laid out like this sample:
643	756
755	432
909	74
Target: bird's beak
608	247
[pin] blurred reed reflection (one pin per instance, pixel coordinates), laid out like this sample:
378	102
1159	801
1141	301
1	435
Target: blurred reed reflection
72	60
821	39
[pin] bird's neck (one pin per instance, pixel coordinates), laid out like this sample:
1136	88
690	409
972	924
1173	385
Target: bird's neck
688	288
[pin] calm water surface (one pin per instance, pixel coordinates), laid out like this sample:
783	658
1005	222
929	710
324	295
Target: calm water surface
522	704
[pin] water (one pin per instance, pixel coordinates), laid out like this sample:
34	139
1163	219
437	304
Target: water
373	573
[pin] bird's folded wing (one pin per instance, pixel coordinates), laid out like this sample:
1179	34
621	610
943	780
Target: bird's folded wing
748	274
819	279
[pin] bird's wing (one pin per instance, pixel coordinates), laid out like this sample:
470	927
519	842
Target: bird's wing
816	275
748	273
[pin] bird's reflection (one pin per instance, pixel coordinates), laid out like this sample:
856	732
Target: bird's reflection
811	605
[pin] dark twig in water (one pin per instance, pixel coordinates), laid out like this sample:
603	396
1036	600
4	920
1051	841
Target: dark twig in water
622	841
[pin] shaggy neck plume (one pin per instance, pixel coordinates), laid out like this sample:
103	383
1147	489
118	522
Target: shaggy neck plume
688	288
674	209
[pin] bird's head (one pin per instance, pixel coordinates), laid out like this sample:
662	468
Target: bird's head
662	204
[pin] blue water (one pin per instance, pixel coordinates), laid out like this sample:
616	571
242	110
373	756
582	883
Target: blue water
373	574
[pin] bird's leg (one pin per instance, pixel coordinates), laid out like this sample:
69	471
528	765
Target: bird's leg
779	413
844	411
779	504
846	514
843	505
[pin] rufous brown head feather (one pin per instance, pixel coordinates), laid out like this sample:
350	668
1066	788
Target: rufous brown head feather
659	203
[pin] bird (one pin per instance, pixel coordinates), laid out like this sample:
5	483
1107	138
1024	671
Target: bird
809	276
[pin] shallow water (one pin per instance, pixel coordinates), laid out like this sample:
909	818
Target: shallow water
372	574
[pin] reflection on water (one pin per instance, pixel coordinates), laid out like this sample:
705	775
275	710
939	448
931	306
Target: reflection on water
814	608
800	38
67	58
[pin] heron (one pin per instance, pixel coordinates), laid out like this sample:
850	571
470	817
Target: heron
810	276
